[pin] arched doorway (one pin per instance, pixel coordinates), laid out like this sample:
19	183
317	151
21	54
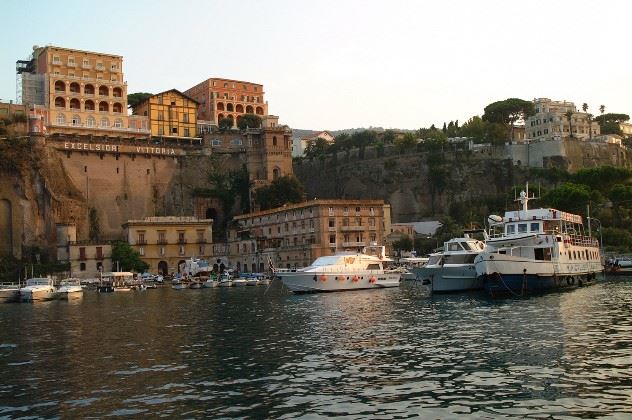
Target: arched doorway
6	227
181	265
163	268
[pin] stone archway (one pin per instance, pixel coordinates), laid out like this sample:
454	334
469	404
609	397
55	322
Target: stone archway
163	268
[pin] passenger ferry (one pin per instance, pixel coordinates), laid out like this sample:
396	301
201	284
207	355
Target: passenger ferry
343	271
534	251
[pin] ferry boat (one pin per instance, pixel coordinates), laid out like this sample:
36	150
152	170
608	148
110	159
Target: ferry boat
343	271
452	270
537	250
37	289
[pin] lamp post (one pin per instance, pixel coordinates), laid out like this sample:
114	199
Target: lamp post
600	230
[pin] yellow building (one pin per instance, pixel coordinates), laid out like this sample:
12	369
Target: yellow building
87	259
84	92
296	234
171	114
166	242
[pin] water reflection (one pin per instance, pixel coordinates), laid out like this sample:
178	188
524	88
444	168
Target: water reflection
388	353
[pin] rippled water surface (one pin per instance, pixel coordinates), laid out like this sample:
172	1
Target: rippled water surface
237	352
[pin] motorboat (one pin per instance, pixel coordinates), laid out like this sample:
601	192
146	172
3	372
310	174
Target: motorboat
9	292
210	282
195	284
116	281
531	251
240	282
40	288
343	271
225	280
70	288
453	270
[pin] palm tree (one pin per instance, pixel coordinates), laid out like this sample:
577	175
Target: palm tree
569	116
585	107
602	109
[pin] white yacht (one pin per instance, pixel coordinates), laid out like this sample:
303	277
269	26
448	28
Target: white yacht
343	271
38	289
9	292
452	270
70	289
536	250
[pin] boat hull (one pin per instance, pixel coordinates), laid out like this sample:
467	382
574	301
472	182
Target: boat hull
37	294
70	294
531	284
448	279
302	282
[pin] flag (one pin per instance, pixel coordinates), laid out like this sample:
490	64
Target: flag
270	264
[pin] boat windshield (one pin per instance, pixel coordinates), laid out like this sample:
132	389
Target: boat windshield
38	282
434	259
328	260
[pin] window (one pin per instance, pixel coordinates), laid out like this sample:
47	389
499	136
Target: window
118	123
185	117
174	130
105	122
186	132
332	239
331	211
162	250
61	119
82	253
236	142
332	223
82	267
141	238
535	227
56	60
76	120
216	142
141	250
511	229
522	227
86	63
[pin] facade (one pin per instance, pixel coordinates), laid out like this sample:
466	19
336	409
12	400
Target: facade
225	98
88	259
166	242
550	122
84	92
300	145
626	129
170	113
296	234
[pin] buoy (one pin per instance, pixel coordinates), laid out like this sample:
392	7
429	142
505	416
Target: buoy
355	279
323	278
372	279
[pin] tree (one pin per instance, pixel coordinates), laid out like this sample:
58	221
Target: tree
405	143
225	124
569	197
95	230
135	99
362	139
317	148
127	258
249	121
569	117
610	123
403	244
508	112
585	107
602	109
388	137
286	189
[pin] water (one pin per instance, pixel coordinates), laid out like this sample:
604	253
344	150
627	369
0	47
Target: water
237	352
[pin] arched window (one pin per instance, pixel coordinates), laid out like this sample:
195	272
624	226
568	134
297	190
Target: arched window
74	87
274	140
75	104
229	107
76	120
104	91
88	105
60	86
60	103
61	119
88	89
239	108
117	107
91	122
249	110
105	122
220	106
117	92
103	106
276	173
259	110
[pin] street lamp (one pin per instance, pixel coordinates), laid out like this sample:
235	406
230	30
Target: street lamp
600	231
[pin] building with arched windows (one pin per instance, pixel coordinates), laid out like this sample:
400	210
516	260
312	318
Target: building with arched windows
228	99
83	92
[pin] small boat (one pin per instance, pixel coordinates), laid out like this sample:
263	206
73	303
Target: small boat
240	282
343	271
9	292
179	286
37	289
453	270
195	284
70	289
210	283
225	281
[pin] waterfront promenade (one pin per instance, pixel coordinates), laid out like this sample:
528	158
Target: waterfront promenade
242	352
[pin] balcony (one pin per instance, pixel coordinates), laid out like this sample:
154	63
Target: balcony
182	241
201	241
141	242
331	229
162	242
352	228
352	244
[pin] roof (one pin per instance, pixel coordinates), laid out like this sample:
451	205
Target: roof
311	203
170	90
45	47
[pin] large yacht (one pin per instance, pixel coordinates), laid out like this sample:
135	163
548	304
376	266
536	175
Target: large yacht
38	289
532	251
452	270
343	271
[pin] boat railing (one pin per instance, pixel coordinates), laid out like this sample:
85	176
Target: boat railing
581	240
574	239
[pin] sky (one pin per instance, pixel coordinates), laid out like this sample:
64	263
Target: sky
328	65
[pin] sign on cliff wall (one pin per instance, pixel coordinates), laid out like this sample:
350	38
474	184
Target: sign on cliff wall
158	150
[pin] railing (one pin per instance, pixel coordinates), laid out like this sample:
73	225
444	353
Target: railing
162	242
351	228
182	241
353	244
141	242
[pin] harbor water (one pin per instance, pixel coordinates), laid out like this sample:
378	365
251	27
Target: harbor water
242	352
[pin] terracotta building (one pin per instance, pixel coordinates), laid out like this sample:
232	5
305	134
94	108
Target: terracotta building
170	113
84	92
296	234
225	98
166	242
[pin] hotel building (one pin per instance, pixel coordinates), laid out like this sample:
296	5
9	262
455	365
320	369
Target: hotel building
166	242
296	234
84	92
550	122
225	98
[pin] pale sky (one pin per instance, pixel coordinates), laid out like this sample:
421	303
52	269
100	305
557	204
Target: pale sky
343	64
